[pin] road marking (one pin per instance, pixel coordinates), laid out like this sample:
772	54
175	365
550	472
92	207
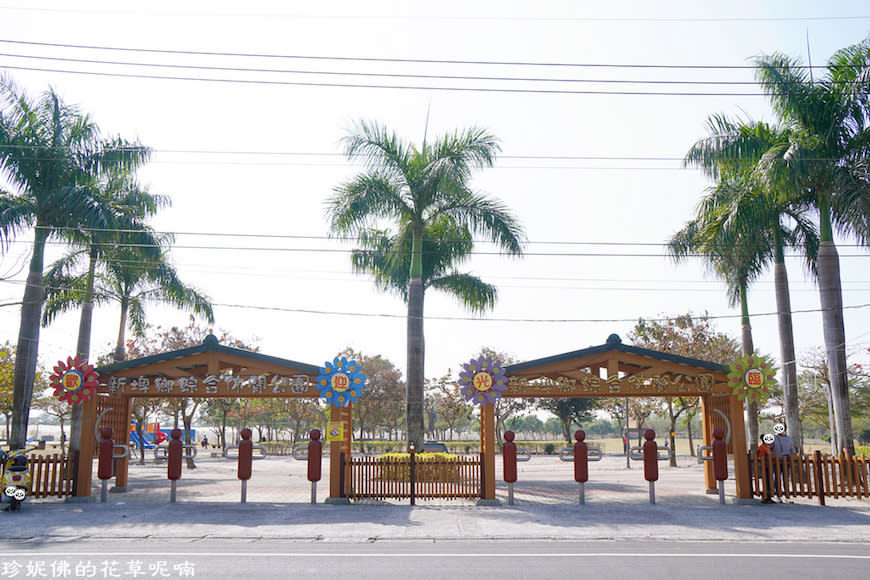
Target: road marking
753	555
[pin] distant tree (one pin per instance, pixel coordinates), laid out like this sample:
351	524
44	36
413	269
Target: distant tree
569	412
383	386
448	401
689	336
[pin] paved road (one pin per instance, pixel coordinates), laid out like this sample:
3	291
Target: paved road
470	558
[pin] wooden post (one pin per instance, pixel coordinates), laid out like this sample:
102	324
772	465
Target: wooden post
738	446
87	447
487	443
122	466
707	440
817	473
339	415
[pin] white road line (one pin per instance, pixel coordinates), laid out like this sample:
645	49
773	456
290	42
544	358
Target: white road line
169	555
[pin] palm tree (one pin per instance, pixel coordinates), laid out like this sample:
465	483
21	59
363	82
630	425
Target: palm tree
418	189
824	167
387	257
731	254
126	205
731	152
133	276
50	154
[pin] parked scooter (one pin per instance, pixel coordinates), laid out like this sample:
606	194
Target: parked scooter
16	478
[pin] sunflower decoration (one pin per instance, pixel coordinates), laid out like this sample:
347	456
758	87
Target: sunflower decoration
341	382
752	377
482	380
74	381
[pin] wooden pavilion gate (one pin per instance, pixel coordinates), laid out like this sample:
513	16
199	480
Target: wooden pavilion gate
209	370
400	477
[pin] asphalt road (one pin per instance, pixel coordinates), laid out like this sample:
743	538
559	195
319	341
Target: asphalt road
263	559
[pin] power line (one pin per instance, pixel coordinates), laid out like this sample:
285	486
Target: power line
523	320
496	90
385	75
384	60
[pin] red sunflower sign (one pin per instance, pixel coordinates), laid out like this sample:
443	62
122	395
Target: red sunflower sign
74	381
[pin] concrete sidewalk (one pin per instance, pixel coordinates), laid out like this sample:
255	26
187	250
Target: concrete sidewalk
617	508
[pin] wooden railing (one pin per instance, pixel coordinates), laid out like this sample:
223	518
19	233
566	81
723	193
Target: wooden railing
408	477
50	476
818	475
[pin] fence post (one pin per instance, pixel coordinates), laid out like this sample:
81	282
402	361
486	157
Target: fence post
104	461
581	463
246	456
651	463
315	454
341	462
817	472
412	475
173	461
482	475
509	461
720	461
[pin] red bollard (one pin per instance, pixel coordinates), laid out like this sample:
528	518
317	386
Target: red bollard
105	460
581	457
509	453
104	457
246	456
173	460
315	456
581	462
651	462
720	461
509	460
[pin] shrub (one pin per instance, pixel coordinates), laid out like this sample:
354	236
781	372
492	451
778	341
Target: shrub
430	467
549	449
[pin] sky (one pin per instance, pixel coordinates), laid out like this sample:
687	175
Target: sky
594	104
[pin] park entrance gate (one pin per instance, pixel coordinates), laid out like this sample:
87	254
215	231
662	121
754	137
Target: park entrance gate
617	370
209	370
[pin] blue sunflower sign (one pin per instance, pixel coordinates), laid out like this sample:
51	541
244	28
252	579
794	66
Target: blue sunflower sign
340	382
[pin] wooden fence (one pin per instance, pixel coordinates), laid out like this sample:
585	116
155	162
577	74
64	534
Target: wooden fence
50	476
817	475
409	477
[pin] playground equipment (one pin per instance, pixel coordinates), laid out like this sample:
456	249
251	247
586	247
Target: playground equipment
594	453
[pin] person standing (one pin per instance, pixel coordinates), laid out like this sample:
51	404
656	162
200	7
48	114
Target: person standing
783	449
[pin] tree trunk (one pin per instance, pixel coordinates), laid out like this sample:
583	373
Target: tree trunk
414	397
120	348
831	297
786	349
689	432
748	348
27	350
83	348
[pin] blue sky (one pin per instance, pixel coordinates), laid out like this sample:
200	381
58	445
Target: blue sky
589	163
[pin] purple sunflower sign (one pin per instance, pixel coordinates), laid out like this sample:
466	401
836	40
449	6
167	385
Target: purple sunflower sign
482	381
